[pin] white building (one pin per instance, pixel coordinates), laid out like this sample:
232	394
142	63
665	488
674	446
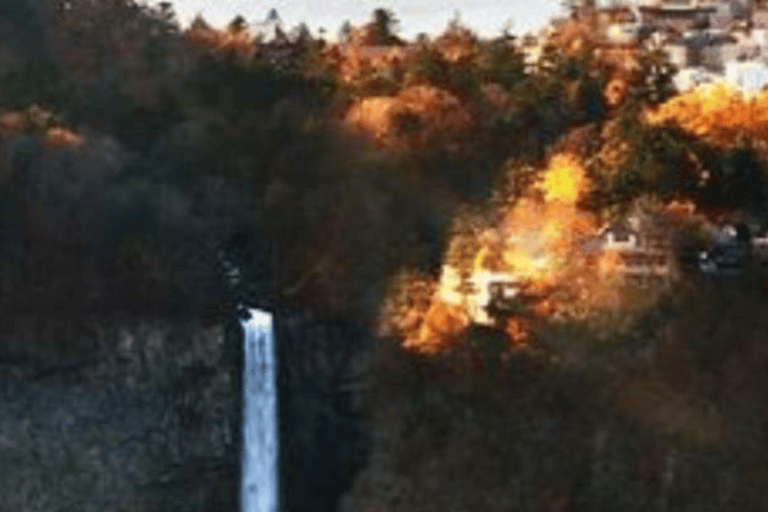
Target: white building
641	245
747	77
678	54
690	78
477	293
624	33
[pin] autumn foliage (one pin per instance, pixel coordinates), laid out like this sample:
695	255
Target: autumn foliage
416	119
354	61
538	240
238	43
716	114
441	326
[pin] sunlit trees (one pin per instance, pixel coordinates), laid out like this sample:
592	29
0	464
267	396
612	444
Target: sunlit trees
264	114
705	146
457	44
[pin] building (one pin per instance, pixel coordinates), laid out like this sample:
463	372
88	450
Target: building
624	33
679	15
747	77
689	78
624	24
641	246
531	57
616	14
476	293
678	54
760	17
708	48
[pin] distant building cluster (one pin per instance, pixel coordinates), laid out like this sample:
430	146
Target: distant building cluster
708	41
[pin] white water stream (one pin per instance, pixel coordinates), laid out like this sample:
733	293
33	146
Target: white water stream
260	434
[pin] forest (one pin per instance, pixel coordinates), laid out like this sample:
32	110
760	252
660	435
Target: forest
134	152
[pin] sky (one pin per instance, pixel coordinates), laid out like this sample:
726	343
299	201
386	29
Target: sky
485	17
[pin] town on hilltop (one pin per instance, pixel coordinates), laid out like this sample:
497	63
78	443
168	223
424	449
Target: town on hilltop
708	41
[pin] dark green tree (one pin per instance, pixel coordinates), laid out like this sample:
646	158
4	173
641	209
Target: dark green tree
273	16
385	24
238	25
345	32
199	23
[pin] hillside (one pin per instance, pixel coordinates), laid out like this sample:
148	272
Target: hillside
215	133
344	178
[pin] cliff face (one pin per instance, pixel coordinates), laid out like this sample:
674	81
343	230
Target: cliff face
111	408
129	352
323	434
150	410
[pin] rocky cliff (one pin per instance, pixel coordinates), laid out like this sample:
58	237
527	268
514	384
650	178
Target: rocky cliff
143	414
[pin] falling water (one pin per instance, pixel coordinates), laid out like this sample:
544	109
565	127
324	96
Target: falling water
260	447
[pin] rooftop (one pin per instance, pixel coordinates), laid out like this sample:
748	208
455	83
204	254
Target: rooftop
680	6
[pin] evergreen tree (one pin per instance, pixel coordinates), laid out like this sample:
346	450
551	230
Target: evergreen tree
237	26
345	32
385	24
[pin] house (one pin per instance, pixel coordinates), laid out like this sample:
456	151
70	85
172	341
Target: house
620	236
624	24
689	78
678	54
679	15
476	293
624	33
616	14
713	48
760	17
747	77
532	48
709	49
640	243
759	37
641	246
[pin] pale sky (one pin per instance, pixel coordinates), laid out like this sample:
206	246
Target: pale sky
486	17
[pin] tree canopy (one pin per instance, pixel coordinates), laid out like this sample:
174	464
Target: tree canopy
247	135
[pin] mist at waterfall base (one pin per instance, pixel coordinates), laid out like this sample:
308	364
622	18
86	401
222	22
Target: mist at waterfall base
260	425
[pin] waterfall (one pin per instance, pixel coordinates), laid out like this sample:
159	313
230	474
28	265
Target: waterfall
260	434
